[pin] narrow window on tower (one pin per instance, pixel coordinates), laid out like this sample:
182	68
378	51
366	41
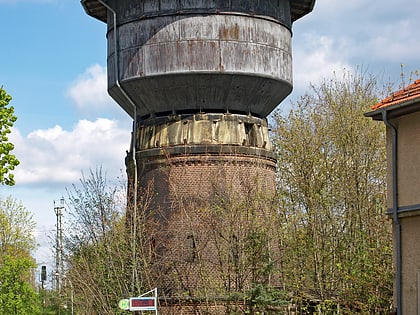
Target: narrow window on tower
235	250
250	135
153	248
191	248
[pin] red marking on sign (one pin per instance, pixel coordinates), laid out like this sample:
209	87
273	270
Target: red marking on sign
143	302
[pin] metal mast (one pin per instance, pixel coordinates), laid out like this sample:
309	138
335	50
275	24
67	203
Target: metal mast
58	209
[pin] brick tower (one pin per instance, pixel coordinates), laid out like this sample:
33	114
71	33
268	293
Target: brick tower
199	78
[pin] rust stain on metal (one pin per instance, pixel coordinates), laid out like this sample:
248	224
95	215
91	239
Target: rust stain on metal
229	32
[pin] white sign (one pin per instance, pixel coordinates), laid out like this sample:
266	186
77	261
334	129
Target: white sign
144	303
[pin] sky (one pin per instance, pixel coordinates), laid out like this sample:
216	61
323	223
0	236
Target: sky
53	64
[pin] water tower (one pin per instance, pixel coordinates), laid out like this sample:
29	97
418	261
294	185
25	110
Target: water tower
199	78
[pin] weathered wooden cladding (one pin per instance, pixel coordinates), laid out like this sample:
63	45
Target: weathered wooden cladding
203	74
235	59
278	10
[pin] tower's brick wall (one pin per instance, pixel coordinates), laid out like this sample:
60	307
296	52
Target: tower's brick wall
211	183
202	211
195	177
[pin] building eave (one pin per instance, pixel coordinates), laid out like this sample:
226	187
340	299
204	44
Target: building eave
397	110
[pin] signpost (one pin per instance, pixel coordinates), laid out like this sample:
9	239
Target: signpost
140	303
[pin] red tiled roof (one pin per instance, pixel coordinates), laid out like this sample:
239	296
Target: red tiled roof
410	92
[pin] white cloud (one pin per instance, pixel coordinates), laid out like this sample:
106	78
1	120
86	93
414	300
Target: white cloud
317	57
385	45
57	156
375	35
89	92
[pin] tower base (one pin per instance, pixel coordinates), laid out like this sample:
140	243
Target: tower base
208	219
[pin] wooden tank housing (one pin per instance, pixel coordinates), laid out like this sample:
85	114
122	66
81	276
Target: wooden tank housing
200	55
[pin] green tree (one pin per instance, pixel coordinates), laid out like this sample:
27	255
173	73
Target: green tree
227	250
97	247
16	228
17	293
8	161
333	234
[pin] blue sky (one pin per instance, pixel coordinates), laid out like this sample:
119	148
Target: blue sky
53	63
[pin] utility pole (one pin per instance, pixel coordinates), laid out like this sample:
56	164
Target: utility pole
58	209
